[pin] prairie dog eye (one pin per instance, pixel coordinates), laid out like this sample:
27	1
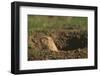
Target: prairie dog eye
44	40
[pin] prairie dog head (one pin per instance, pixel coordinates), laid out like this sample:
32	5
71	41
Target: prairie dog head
49	43
46	39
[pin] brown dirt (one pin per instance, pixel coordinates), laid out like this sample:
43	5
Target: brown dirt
72	44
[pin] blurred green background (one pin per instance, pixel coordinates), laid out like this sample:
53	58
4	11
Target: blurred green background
39	22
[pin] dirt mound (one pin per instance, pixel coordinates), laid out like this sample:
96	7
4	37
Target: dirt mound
48	55
63	39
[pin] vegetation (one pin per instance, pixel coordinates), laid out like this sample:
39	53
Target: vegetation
46	23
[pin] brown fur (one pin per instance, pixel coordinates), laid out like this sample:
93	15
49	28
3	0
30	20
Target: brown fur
48	42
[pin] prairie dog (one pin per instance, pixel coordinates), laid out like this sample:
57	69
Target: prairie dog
48	42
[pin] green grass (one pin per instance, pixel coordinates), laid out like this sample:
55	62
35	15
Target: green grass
55	22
